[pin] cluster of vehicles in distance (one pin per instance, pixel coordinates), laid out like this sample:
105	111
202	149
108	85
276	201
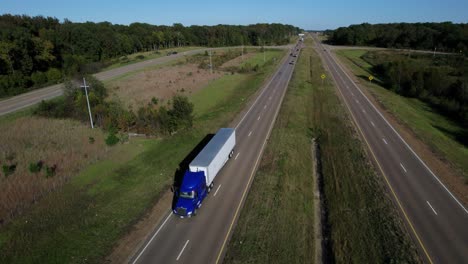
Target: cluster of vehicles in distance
197	181
294	54
171	53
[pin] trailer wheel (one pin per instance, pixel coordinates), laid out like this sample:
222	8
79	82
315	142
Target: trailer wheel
231	154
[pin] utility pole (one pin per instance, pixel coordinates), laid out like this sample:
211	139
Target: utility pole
87	100
211	64
433	55
310	63
242	54
263	51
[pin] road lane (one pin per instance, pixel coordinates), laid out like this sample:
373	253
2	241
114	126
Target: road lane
209	231
441	237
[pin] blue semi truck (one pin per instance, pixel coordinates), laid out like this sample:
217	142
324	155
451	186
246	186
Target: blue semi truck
198	179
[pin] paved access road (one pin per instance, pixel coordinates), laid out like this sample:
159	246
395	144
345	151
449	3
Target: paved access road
437	221
31	98
203	238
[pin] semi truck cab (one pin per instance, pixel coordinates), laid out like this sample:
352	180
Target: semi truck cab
191	193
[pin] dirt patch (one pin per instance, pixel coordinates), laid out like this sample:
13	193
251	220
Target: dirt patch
445	171
161	83
128	245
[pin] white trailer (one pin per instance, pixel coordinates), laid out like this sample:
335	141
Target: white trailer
215	154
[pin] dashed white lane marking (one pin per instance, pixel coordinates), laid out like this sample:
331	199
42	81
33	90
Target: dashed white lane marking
182	251
250	133
372	123
385	141
149	242
265	107
258	118
237	156
403	167
364	111
357	101
217	190
269	98
352	93
431	207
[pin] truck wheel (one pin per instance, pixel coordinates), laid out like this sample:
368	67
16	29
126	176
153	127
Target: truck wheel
194	212
231	154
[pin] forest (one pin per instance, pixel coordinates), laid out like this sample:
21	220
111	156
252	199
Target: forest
441	81
445	37
38	51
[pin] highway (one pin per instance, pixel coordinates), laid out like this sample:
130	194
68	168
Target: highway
203	238
31	98
436	220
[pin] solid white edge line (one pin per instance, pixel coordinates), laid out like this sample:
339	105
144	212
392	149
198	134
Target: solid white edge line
217	190
182	251
237	156
431	207
406	144
149	242
403	167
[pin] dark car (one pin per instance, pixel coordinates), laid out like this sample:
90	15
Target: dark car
291	62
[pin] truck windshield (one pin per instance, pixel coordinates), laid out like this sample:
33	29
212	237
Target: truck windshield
188	195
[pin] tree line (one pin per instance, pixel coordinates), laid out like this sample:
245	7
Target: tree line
446	36
35	51
441	81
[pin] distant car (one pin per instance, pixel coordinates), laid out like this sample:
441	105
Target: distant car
291	62
290	54
174	52
171	53
295	56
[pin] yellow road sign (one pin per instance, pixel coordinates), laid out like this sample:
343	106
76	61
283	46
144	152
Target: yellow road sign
371	77
323	76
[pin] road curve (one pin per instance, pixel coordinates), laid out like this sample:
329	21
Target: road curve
27	99
202	239
437	221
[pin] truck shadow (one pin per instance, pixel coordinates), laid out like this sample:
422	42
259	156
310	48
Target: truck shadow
184	164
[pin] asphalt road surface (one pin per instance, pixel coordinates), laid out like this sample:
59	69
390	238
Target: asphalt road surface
27	99
437	221
203	238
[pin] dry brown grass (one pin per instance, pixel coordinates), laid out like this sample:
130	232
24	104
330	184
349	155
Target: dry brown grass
63	143
162	83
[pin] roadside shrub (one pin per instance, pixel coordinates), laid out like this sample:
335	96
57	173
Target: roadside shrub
50	170
140	57
38	78
54	75
91	140
8	169
36	167
112	138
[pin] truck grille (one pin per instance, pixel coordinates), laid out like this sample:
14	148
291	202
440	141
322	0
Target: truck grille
181	211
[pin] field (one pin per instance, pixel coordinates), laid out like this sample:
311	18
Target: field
143	56
435	130
362	224
82	222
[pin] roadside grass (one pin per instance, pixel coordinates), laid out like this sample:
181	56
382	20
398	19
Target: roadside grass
10	117
276	223
432	128
148	55
81	222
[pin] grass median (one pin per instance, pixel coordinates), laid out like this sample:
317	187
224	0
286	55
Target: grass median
81	222
277	221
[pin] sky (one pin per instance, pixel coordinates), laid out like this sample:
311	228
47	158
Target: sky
306	14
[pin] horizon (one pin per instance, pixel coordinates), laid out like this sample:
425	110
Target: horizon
303	14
